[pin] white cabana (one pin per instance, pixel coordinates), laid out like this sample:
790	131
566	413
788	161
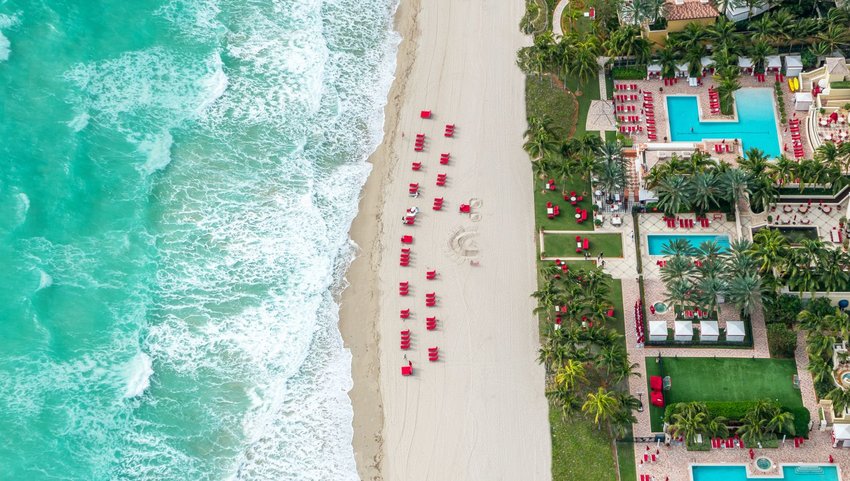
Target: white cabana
707	62
653	69
682	69
773	63
841	433
803	101
793	65
708	331
745	63
735	331
683	331
658	331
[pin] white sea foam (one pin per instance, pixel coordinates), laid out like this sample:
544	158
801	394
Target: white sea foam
79	122
157	150
5	47
138	374
44	280
22	208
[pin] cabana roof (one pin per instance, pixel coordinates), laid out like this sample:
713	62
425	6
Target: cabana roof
707	61
708	328
682	67
658	328
745	62
653	67
684	328
793	61
735	328
841	431
773	61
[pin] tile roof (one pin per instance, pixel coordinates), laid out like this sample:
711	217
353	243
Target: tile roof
690	10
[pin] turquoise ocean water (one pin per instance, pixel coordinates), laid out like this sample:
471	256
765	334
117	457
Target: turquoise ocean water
177	179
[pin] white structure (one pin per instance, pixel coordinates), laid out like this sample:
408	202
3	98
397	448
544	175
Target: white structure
841	433
682	69
803	101
708	331
793	65
738	13
745	64
772	63
683	331
735	331
653	69
707	63
658	331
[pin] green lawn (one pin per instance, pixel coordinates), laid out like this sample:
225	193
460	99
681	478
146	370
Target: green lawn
585	93
580	451
567	220
726	379
626	459
564	245
544	97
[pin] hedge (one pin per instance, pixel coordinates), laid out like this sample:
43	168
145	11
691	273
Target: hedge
840	85
637	72
736	410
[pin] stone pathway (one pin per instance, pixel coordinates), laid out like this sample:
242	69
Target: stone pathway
556	18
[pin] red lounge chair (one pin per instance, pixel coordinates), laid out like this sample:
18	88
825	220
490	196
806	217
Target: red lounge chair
656	383
431	323
586	244
416	165
431	275
444	159
407	370
407	239
450	130
431	294
404	313
464	208
611	312
410	220
657	399
425	114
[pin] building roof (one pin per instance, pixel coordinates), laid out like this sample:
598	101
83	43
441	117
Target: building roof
653	67
837	66
745	62
690	10
707	61
841	431
793	61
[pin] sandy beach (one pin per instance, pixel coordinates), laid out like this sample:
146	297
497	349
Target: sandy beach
479	412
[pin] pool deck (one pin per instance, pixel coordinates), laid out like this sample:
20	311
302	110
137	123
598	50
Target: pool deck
701	92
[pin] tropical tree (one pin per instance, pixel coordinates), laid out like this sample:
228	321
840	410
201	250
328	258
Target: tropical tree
735	183
570	374
667	57
758	52
705	191
744	292
674	194
770	248
602	406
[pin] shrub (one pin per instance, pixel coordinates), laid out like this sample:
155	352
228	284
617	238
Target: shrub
637	72
784	309
844	84
733	411
781	340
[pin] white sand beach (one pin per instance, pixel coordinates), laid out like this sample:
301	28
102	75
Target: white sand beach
479	413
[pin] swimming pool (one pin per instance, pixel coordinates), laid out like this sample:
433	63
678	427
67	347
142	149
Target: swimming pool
656	242
739	473
756	125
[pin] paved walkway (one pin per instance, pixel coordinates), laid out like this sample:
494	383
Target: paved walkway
556	17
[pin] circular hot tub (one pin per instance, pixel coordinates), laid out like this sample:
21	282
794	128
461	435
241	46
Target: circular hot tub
844	377
764	464
660	307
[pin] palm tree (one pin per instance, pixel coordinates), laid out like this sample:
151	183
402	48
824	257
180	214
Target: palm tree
667	57
734	185
540	143
839	323
705	191
782	422
724	32
674	194
770	248
610	169
583	64
726	87
678	247
570	374
783	23
677	268
753	429
763	194
783	170
834	36
744	292
759	52
601	405
568	401
678	294
761	29
832	270
689	420
840	399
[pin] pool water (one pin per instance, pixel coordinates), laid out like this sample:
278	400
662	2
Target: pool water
739	473
656	242
756	125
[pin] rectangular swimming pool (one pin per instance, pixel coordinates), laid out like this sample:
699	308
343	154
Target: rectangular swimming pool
790	473
756	125
656	242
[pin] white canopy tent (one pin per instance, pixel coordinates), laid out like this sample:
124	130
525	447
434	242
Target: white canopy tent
803	101
708	331
841	433
793	65
653	69
682	69
658	331
773	62
745	63
683	331
735	331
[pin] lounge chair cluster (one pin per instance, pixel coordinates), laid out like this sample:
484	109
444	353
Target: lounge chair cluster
673	222
625	86
409	219
582	245
639	321
581	215
723	147
649	110
796	139
646	111
713	100
728	443
552	210
671	81
573	198
656	395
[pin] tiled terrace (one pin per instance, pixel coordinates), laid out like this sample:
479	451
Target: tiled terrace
824	217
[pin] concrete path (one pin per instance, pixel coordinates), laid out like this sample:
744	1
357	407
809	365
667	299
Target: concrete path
556	17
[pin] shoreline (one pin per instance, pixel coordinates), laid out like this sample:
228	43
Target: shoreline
359	307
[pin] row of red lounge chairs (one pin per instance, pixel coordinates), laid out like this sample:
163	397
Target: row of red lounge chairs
625	86
686	223
720	148
649	110
406	240
627	108
713	100
794	125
